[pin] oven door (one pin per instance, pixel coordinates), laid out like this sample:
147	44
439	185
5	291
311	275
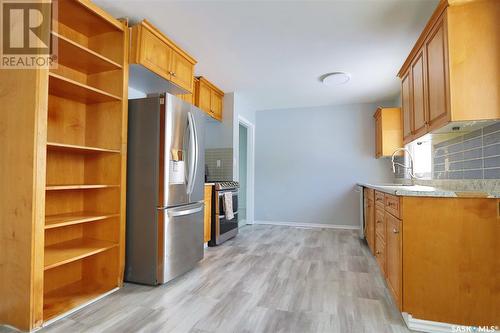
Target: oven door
220	194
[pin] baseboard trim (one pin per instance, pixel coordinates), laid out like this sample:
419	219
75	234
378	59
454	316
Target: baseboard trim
428	326
307	225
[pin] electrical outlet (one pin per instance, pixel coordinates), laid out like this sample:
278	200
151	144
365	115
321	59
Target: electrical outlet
219	163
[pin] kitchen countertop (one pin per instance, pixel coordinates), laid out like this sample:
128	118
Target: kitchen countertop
427	191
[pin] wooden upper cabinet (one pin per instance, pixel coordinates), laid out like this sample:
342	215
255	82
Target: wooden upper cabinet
209	98
406	103
216	104
155	51
418	95
155	54
451	73
394	258
388	131
182	71
437	76
203	96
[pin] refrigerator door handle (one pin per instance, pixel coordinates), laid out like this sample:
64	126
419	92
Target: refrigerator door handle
185	210
193	150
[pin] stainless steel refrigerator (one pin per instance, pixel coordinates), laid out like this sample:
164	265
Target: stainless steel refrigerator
165	180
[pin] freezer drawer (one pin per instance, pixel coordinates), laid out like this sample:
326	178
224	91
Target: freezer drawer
182	243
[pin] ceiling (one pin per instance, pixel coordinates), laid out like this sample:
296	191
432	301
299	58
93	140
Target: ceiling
273	52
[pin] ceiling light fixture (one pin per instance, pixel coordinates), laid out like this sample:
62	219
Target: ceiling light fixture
335	78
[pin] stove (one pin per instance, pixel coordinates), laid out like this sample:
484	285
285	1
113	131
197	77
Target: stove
223	228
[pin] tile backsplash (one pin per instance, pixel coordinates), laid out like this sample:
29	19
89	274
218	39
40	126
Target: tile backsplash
219	164
475	155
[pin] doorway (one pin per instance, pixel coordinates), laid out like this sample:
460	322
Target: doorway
246	136
243	175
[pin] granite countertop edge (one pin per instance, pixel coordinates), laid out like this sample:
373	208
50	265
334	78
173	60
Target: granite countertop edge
437	192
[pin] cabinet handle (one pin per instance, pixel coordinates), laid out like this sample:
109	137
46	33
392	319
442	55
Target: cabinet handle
377	252
379	221
173	73
396	231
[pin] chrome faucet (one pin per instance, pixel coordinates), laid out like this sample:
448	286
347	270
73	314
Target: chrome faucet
406	167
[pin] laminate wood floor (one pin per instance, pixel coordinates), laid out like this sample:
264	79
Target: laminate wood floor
267	279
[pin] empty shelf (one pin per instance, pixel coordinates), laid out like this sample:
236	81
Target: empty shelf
61	220
66	252
78	149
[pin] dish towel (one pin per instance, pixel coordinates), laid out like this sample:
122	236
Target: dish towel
228	205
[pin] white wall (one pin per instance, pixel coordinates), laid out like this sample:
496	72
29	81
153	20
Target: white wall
308	162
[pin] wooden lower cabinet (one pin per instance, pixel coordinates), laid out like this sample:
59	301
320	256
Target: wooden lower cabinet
394	258
440	256
208	213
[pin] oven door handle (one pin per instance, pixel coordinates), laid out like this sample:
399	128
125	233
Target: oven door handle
233	192
224	216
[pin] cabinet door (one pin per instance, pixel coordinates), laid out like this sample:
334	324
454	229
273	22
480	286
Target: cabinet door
181	71
418	95
437	73
370	223
208	213
155	54
216	104
407	107
203	95
393	255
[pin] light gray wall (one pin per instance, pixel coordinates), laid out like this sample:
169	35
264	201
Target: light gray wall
242	167
308	162
220	134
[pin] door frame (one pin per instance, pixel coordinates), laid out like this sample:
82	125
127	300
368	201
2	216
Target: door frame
250	166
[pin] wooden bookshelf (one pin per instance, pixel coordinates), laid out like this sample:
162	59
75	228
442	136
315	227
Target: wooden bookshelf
53	146
63	240
66	252
67	219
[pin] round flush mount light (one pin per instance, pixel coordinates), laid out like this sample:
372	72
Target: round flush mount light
335	78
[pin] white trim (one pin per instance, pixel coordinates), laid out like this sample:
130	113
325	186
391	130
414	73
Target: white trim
79	307
250	166
309	225
436	327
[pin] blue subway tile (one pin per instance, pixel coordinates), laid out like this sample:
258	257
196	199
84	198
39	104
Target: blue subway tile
439	160
439	167
474	153
492	162
456	175
472	164
440	152
456	166
473	143
455	157
491	139
455	148
492	150
474	134
492	173
492	128
473	174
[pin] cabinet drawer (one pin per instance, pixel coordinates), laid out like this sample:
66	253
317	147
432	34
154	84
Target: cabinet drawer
379	198
380	222
368	193
392	205
380	253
